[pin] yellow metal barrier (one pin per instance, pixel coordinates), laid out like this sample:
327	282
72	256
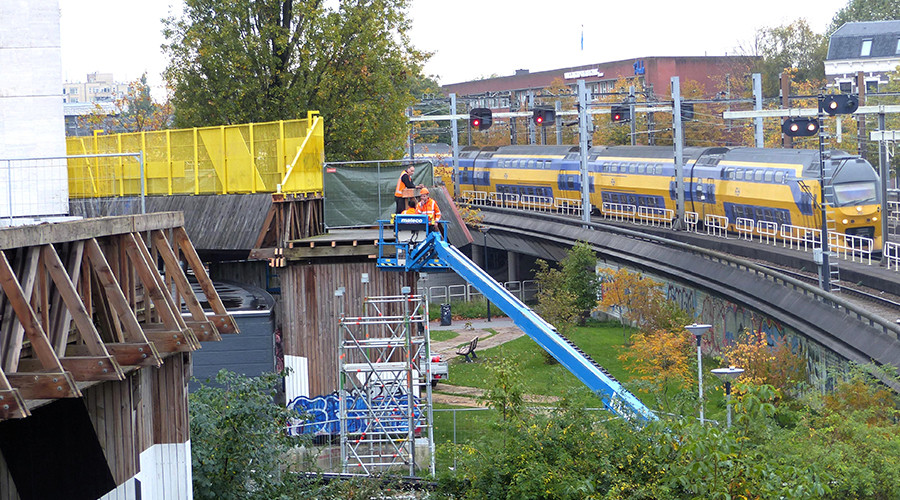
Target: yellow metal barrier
284	156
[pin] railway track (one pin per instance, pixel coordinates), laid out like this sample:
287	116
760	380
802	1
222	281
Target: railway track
848	290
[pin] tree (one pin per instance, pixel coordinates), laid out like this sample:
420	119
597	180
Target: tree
635	297
237	438
556	303
661	358
793	45
134	112
264	60
865	10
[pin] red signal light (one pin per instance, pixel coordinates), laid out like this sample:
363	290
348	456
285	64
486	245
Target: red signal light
476	123
539	120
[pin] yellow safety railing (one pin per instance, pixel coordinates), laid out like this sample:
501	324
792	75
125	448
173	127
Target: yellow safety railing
284	156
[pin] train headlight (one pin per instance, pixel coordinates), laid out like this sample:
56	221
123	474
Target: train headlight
874	219
845	221
859	209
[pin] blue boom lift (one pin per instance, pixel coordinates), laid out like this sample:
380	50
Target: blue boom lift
417	247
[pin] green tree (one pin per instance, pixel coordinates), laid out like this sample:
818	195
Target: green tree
262	60
865	10
135	111
793	45
580	278
237	438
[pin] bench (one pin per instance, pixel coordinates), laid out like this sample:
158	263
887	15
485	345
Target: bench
467	350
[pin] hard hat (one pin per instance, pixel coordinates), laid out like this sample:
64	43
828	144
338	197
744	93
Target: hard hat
424	191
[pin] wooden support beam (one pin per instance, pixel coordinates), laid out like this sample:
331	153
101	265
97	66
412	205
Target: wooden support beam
12	405
101	364
131	329
173	341
40	344
153	285
224	322
12	333
62	318
41	385
204	330
135	354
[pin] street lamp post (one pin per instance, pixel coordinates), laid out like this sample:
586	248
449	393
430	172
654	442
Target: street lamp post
727	375
698	330
484	230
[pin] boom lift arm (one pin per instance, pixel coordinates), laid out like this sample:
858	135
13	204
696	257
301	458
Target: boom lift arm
435	254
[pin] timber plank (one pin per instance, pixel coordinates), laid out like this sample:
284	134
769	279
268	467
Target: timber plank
148	278
135	354
131	328
44	385
224	322
40	344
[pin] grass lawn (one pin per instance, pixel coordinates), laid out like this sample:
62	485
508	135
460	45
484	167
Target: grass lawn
602	341
442	335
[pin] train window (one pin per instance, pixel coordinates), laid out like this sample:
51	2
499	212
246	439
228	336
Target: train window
657	169
728	173
739	174
758	175
631	168
781	217
642	169
779	176
530	164
613	168
769	175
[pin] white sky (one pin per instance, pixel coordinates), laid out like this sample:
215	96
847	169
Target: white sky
124	38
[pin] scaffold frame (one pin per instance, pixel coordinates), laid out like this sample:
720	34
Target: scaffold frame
385	369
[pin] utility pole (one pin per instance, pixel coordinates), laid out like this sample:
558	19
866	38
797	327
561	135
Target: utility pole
531	122
454	134
558	107
786	104
651	123
679	153
513	107
863	144
883	170
410	140
757	93
825	265
631	111
584	145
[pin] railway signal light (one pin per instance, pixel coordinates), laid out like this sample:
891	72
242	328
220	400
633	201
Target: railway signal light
481	118
839	104
800	127
620	114
687	111
544	116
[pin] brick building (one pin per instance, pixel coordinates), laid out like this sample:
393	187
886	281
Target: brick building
652	72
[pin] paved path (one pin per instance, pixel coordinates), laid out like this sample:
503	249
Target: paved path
506	331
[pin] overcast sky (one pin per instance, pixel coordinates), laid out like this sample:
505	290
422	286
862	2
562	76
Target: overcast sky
470	38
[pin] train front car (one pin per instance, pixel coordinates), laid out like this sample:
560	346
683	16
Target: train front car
855	196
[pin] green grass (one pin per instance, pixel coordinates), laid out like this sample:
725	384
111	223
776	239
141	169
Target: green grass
602	341
443	335
462	310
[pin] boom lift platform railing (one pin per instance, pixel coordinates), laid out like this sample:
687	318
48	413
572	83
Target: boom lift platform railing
417	246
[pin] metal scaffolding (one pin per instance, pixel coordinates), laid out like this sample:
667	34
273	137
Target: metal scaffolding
385	370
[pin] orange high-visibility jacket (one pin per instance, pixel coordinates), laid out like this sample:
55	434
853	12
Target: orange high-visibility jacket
430	208
403	184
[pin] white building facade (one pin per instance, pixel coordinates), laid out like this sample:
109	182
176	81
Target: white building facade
31	113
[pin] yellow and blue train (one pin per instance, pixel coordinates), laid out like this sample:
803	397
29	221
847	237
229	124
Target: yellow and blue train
779	186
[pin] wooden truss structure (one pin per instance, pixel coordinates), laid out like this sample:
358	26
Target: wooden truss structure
87	301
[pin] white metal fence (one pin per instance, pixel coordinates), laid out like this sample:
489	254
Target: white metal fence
846	246
525	290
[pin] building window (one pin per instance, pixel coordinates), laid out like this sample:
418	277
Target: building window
872	86
846	87
866	48
897	50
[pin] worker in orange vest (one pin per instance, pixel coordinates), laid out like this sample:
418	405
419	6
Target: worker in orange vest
404	182
428	207
411	207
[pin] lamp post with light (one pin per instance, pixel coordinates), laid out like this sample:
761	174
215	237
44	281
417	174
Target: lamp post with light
698	330
727	375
